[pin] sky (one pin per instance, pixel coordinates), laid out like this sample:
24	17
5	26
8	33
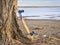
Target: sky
40	11
38	2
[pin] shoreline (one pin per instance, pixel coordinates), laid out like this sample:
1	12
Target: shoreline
42	19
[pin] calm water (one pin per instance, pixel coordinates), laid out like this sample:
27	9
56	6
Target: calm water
41	13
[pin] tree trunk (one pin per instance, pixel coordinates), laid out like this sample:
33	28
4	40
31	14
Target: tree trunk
9	28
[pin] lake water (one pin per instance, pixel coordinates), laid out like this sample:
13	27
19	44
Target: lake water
41	13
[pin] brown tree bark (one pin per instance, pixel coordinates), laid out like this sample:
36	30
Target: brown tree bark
9	28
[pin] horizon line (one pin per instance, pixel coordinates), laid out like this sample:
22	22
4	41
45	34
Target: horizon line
38	6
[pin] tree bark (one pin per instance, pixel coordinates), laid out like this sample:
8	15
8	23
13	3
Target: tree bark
9	28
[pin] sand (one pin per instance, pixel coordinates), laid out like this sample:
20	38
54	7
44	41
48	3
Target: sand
49	28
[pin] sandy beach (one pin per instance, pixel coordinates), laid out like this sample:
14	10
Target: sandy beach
44	27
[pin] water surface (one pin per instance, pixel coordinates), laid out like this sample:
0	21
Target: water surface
41	13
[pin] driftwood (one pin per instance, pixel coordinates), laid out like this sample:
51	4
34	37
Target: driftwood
9	28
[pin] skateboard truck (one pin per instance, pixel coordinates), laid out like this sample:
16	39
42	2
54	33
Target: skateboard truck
32	33
20	13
